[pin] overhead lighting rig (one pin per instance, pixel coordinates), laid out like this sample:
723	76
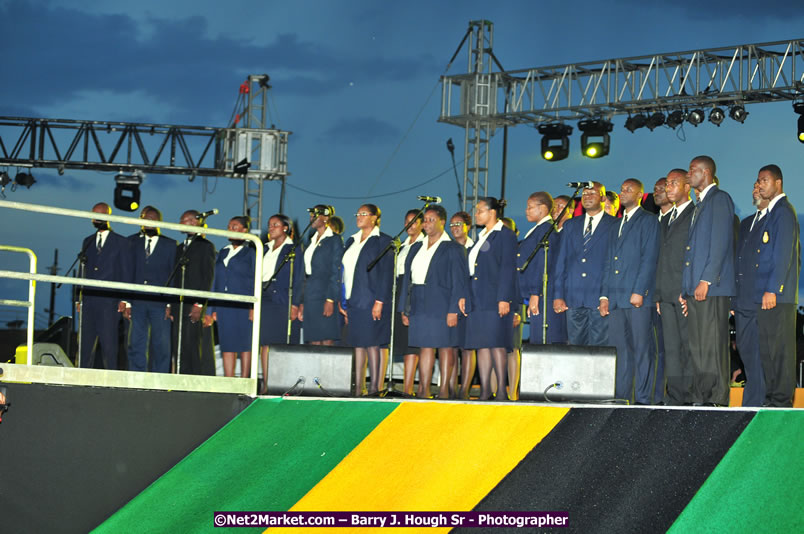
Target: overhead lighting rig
716	116
738	113
555	141
675	118
635	122
696	117
595	139
798	107
127	190
655	120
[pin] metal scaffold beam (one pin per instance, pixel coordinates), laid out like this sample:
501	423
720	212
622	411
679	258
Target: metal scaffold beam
744	74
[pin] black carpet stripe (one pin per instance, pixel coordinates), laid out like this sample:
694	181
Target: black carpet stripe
618	470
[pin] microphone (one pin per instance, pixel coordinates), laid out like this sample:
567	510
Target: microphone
207	214
587	185
319	211
436	200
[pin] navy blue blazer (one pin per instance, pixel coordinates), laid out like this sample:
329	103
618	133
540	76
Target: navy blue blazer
710	247
579	274
447	280
277	293
631	264
112	264
495	278
325	281
154	270
779	255
530	280
236	278
370	286
746	262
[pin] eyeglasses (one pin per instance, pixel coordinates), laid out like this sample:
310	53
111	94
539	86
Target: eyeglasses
362	214
452	225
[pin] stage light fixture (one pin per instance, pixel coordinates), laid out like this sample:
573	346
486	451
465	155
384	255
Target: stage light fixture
798	107
675	118
738	113
5	179
696	117
242	166
555	141
598	130
635	122
716	116
24	179
127	191
655	120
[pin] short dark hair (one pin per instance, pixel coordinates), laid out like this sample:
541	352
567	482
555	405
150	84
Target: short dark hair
442	213
285	220
774	171
494	204
543	197
465	217
419	216
374	210
612	196
636	183
151	209
245	220
708	163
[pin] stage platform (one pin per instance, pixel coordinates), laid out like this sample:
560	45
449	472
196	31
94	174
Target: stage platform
80	458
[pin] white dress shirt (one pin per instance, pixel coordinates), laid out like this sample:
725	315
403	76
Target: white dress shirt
547	218
232	252
403	253
308	254
350	256
271	257
481	239
421	263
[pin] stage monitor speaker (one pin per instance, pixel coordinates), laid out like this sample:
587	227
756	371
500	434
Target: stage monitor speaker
49	354
295	369
581	373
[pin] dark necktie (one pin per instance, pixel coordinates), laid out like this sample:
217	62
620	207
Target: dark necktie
672	216
148	245
99	243
625	221
587	235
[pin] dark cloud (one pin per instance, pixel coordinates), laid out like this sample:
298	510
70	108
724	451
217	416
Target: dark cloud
177	65
363	131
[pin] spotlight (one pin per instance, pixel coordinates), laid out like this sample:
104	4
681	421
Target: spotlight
657	119
552	151
5	179
127	191
25	179
675	118
242	166
637	121
695	117
716	116
599	130
798	107
738	113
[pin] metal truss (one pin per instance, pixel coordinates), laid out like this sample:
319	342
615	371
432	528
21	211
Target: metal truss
744	74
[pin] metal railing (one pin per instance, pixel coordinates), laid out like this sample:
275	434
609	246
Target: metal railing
31	302
54	375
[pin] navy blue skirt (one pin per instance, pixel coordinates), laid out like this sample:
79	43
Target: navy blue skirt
316	326
364	331
273	323
485	329
428	330
234	328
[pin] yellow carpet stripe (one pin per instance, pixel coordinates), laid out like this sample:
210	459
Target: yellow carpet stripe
432	457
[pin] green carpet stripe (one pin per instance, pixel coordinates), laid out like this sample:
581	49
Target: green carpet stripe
758	485
266	459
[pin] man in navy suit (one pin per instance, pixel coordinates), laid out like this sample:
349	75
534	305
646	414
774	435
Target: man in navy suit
707	284
629	278
579	271
743	304
777	289
672	246
153	256
108	258
531	280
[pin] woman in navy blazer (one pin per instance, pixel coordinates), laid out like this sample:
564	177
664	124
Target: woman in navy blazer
493	276
322	281
435	286
274	315
234	273
368	295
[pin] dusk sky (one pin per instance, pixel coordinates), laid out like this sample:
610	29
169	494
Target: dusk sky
349	79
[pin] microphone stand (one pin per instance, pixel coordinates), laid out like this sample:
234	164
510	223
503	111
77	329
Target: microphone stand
395	244
82	257
289	257
545	245
181	262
